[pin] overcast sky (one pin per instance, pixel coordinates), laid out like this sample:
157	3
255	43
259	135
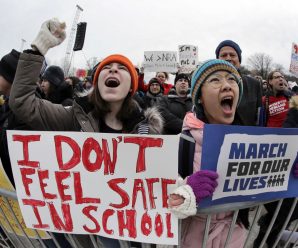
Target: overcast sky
131	27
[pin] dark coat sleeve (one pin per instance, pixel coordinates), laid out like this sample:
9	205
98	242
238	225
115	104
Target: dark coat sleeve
292	118
39	114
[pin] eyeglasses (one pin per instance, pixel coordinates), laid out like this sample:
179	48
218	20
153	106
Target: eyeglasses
278	77
216	80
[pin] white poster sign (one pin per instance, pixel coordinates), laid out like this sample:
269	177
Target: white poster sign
294	59
112	185
254	165
188	58
157	61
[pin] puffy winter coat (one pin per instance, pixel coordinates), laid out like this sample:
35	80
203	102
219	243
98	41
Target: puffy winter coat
193	227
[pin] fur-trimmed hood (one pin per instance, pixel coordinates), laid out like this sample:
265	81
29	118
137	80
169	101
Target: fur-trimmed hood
154	121
138	118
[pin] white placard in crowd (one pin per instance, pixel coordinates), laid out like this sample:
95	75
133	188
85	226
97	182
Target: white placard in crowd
188	58
112	185
156	61
294	59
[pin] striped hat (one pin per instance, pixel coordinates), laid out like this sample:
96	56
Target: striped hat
205	70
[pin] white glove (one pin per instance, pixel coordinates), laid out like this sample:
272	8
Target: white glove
51	34
189	206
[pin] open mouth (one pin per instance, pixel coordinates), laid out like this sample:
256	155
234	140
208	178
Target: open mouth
112	82
227	103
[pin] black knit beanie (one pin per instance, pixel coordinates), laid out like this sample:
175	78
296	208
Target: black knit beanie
8	65
229	43
54	74
182	76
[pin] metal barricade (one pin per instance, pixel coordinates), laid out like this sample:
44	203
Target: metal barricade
285	238
9	239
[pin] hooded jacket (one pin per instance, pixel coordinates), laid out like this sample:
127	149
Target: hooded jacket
193	227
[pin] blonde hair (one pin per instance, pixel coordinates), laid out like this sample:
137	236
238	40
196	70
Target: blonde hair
294	102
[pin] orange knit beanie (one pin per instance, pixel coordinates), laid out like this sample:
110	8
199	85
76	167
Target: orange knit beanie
117	58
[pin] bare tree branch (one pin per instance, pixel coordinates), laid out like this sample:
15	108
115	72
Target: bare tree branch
261	63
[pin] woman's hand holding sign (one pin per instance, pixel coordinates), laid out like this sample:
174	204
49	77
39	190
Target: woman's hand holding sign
203	183
183	201
175	200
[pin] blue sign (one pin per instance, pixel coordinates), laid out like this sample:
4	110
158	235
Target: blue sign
254	163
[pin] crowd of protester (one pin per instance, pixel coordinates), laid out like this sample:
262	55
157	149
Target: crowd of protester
116	99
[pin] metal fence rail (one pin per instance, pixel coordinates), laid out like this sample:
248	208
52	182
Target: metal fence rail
285	238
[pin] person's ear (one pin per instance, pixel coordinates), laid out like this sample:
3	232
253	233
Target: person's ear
200	100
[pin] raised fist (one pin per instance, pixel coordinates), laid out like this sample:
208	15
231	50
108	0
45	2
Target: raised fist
51	34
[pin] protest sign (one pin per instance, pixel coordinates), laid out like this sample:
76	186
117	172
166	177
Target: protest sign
156	61
188	58
294	59
253	163
113	185
4	205
81	73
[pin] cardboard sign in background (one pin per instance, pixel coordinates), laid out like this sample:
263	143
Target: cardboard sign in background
188	58
160	61
294	59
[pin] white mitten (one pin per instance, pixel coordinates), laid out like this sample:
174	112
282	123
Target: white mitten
189	206
51	34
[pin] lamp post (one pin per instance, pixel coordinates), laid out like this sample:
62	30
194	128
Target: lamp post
22	44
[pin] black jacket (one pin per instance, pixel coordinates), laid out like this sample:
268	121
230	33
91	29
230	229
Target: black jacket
148	100
173	109
8	121
251	102
292	116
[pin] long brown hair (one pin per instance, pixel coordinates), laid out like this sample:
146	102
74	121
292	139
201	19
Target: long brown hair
270	75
